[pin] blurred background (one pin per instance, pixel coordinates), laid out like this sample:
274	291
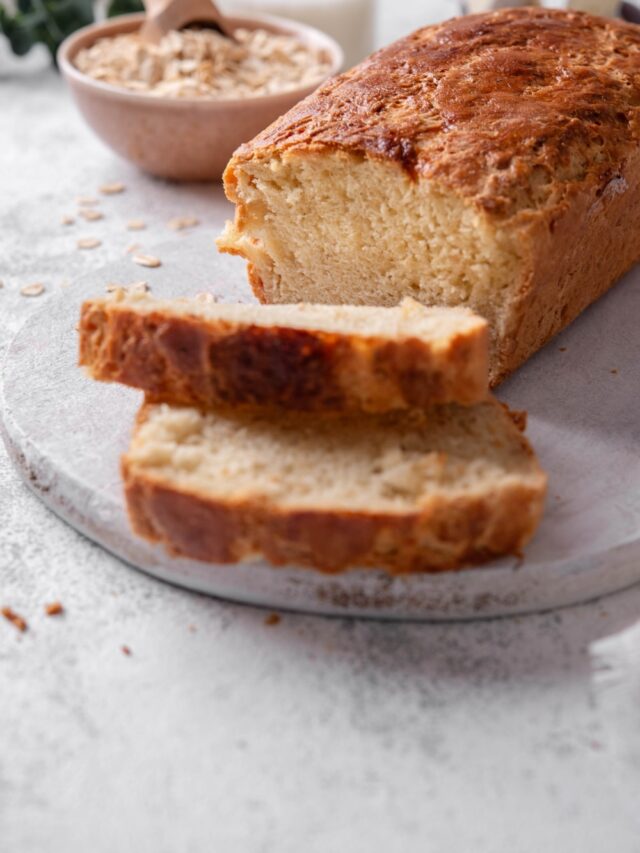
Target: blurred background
34	28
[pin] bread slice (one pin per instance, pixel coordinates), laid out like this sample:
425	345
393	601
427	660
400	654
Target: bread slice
410	491
491	161
301	357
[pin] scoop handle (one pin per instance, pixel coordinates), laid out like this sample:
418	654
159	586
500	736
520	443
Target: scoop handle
154	7
166	15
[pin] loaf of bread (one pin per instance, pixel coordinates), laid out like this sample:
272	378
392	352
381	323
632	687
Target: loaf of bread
420	490
301	357
491	161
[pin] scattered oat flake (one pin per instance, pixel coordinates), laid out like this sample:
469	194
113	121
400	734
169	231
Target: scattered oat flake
16	620
55	608
272	619
112	189
90	214
181	222
204	296
89	243
86	201
67	220
136	225
139	287
147	261
35	289
126	651
132	248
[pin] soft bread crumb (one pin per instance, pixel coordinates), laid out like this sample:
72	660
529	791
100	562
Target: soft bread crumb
338	229
410	319
386	463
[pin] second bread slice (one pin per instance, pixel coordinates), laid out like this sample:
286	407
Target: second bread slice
298	357
417	491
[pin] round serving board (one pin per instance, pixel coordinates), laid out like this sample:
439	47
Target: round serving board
66	433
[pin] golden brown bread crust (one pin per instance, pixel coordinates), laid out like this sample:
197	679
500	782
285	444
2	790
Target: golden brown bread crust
444	535
513	109
571	261
469	531
191	360
531	116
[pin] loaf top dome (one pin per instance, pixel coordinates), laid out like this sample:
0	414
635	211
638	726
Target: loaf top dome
514	110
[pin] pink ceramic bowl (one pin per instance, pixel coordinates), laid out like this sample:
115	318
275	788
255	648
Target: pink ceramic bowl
185	139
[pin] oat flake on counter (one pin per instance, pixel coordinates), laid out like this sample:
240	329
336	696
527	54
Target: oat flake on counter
89	243
204	64
147	261
35	289
112	189
90	214
179	223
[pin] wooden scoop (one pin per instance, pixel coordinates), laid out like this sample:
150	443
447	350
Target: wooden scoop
166	15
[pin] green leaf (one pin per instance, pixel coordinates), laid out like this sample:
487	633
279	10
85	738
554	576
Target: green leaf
48	22
21	39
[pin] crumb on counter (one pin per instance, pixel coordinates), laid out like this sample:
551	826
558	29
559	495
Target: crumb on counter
272	619
54	608
15	619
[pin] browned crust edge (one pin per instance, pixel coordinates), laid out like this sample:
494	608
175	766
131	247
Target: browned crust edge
210	363
572	260
445	535
463	532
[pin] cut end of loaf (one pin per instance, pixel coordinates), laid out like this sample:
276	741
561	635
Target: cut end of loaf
419	491
335	228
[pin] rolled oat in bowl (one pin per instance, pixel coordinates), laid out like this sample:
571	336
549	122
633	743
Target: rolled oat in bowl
201	63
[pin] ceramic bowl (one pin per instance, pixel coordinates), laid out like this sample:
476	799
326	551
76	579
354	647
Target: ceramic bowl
184	139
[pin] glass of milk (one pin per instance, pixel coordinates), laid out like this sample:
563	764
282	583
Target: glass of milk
350	22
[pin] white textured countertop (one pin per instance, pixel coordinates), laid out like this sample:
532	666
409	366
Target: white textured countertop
220	733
